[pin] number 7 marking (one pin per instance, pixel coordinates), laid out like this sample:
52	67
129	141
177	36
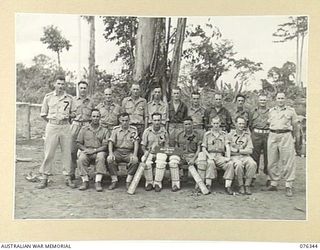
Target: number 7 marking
66	105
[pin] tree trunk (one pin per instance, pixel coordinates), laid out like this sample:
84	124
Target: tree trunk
177	52
91	77
300	63
150	64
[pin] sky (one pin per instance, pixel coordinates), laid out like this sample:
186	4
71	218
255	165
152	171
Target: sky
251	36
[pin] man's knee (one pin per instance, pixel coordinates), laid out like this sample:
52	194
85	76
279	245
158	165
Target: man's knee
174	161
101	157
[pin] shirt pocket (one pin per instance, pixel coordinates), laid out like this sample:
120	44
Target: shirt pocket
140	109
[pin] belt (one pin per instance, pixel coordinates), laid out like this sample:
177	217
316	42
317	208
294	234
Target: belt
261	131
59	122
81	123
280	131
215	152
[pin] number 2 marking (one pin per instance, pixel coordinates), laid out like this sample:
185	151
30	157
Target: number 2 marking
65	108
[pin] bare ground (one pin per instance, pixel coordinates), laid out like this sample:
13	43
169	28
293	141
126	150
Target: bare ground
60	202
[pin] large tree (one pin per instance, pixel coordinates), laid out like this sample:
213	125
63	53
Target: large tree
295	29
56	42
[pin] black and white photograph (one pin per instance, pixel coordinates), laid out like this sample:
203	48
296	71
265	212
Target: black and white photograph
162	117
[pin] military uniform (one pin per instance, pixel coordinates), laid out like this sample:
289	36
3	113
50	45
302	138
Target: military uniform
281	145
123	146
150	140
215	143
157	107
176	118
198	117
137	112
259	127
93	138
83	115
109	114
224	115
236	112
58	110
245	166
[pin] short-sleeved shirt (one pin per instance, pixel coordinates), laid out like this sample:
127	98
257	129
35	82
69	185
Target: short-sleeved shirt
177	116
152	138
135	108
188	143
243	112
109	114
224	115
282	118
58	107
83	108
197	114
158	107
240	141
259	118
215	142
93	138
124	139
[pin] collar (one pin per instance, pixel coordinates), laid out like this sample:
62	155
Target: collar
162	129
86	98
105	104
92	129
243	133
185	135
131	99
63	95
154	103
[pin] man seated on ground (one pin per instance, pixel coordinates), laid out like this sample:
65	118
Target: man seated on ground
123	147
189	141
92	140
154	136
241	149
217	149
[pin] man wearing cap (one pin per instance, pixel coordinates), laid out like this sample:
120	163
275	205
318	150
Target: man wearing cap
109	110
136	107
123	147
240	110
189	141
216	147
157	106
154	136
259	127
283	125
218	110
93	141
83	106
241	148
178	111
57	110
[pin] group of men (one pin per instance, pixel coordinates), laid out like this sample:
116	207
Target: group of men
214	139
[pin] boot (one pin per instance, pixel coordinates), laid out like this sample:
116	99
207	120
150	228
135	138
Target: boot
70	183
84	186
241	190
43	184
98	186
247	190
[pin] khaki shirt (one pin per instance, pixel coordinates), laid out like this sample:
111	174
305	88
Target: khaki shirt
83	109
124	139
245	113
197	115
188	143
215	142
58	107
93	138
109	114
240	141
135	108
259	119
224	115
152	139
282	118
160	107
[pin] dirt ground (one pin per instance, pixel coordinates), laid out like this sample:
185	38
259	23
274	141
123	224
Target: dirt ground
60	202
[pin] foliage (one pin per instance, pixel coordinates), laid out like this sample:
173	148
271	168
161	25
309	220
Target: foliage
35	81
122	30
283	76
246	70
56	42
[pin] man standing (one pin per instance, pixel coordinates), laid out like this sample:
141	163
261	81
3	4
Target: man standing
123	147
157	106
83	106
154	136
197	112
57	110
216	147
92	141
283	121
189	141
259	127
241	149
178	111
240	110
218	110
136	107
109	111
